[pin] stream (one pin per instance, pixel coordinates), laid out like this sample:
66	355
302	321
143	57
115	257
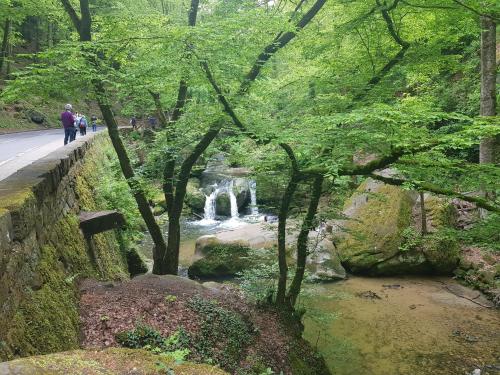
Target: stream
377	326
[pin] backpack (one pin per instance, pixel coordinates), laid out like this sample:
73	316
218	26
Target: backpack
83	123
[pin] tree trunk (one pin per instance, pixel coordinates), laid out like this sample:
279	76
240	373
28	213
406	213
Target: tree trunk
488	148
488	84
286	200
423	215
83	26
5	43
302	240
172	254
159	265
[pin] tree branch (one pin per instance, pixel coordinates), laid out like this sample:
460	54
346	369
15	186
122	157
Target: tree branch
480	202
72	14
281	40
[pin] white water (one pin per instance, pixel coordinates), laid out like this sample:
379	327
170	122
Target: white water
254	210
232	199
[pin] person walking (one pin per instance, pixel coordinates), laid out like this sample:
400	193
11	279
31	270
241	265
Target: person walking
76	126
93	119
152	122
83	125
133	122
68	122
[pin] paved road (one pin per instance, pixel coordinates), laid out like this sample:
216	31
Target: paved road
20	149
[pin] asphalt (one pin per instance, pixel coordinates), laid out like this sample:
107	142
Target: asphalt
18	150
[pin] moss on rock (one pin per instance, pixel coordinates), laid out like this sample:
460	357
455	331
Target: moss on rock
220	261
106	362
374	231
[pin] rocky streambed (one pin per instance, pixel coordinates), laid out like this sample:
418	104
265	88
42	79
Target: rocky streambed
404	326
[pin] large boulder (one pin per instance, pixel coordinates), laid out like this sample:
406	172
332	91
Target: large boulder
377	216
220	261
324	264
380	237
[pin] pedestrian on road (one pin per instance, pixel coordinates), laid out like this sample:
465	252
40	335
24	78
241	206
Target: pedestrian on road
83	126
93	119
68	122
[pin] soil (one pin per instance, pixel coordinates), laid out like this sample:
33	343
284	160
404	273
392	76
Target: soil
109	308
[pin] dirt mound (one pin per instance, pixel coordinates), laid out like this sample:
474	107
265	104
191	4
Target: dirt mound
204	313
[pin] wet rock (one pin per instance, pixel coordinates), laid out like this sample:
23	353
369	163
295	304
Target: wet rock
223	204
195	199
368	295
324	263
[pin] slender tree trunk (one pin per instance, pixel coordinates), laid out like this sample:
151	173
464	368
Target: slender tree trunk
302	240
83	26
159	265
286	201
488	84
180	193
423	215
5	43
489	147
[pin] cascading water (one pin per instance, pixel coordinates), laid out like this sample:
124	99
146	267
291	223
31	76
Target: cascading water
254	210
232	200
209	213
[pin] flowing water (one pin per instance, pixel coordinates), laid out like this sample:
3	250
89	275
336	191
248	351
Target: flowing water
376	326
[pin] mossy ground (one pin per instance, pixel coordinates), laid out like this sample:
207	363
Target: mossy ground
106	362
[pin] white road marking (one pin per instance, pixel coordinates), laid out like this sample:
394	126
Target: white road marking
6	161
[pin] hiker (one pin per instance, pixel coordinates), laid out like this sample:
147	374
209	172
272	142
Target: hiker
68	122
93	119
76	125
133	122
152	122
83	126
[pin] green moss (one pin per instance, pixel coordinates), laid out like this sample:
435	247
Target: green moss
105	362
375	231
442	252
46	318
442	212
220	261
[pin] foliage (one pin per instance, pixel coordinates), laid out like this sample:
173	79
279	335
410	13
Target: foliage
485	234
145	337
223	336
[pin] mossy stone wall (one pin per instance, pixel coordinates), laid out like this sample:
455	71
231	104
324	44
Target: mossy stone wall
43	254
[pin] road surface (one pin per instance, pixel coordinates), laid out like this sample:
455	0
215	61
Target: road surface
17	150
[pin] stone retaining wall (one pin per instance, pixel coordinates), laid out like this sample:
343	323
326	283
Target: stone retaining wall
43	252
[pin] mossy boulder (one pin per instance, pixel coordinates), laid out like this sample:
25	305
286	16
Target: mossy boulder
378	214
442	252
195	199
108	361
441	213
223	204
220	261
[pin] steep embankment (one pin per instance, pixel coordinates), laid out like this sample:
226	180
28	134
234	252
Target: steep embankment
43	252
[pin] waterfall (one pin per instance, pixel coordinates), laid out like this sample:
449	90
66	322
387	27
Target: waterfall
232	199
254	210
210	205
